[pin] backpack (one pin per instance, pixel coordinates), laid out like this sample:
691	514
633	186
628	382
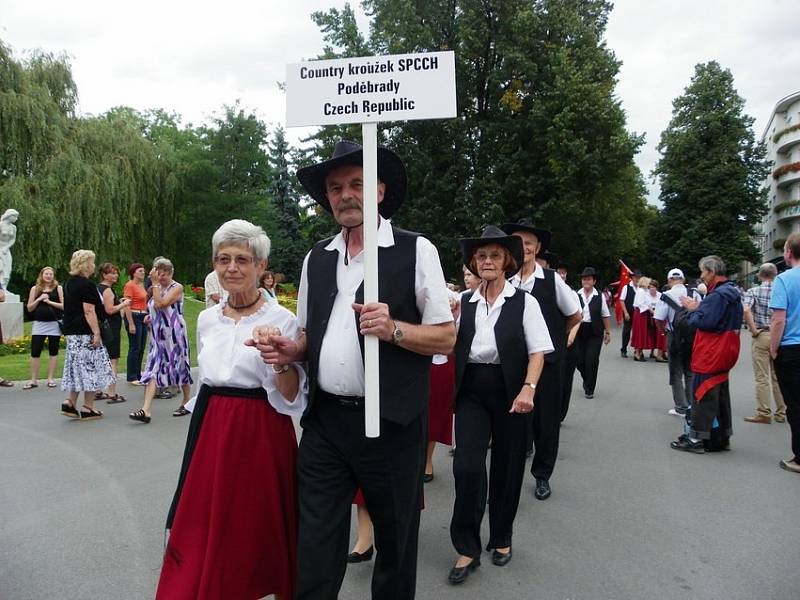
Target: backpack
682	332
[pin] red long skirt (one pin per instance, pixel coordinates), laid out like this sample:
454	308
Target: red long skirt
235	528
643	331
440	402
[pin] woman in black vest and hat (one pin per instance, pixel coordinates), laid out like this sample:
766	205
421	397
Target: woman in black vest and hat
590	334
499	356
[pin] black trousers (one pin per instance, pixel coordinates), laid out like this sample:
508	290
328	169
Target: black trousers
787	369
626	333
568	365
334	459
482	414
546	420
587	356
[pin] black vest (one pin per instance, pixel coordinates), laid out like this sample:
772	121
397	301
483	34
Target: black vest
595	312
545	293
630	295
509	336
404	375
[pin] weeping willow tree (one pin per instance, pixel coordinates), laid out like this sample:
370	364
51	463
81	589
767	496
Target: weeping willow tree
94	182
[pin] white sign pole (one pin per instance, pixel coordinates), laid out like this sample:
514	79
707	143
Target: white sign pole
369	133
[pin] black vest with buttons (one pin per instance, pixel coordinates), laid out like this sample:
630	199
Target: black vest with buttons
509	336
630	296
545	293
404	375
595	313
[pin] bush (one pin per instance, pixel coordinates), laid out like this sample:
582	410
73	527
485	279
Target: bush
23	346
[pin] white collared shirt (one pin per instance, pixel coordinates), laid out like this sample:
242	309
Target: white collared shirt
586	316
341	366
565	299
623	295
225	361
484	344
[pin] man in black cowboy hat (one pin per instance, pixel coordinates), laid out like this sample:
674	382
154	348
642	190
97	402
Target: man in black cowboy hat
626	295
593	331
413	321
561	312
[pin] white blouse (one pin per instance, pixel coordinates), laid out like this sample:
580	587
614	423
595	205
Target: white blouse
225	361
484	345
644	301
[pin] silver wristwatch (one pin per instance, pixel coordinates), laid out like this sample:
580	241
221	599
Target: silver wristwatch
397	334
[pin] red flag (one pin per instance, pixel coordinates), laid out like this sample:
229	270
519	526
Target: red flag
624	279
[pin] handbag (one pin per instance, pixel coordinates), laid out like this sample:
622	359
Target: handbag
106	335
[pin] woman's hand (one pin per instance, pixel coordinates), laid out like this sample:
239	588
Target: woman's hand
275	349
96	340
523	403
132	329
147	319
606	337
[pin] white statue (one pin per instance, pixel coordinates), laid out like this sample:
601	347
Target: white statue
8	235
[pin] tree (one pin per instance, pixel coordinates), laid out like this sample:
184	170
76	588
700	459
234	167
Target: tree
711	173
539	132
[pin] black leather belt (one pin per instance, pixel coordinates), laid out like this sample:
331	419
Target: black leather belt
349	401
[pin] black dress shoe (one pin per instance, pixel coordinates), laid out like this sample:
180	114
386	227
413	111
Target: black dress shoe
684	444
543	490
459	574
500	559
623	353
589	395
357	557
427	477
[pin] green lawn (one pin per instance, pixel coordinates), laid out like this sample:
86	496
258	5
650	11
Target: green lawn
17	366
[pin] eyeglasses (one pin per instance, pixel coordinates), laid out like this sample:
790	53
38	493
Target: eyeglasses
493	256
240	259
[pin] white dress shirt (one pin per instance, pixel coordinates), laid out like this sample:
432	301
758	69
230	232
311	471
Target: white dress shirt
225	361
664	312
644	301
441	359
341	366
586	317
484	344
565	299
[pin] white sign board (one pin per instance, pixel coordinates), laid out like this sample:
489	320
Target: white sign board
396	87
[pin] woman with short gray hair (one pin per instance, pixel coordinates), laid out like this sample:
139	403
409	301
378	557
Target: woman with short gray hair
233	520
168	357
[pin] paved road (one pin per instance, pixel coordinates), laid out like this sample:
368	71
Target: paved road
82	505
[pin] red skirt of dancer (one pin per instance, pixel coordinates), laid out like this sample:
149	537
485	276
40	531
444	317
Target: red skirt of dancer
643	330
440	402
661	340
234	533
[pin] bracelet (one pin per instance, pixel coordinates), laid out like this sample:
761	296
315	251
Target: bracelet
280	371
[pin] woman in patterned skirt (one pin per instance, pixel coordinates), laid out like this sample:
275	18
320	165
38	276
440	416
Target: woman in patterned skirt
87	367
168	356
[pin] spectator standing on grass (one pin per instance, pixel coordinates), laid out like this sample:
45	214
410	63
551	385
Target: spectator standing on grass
115	308
785	342
46	306
213	290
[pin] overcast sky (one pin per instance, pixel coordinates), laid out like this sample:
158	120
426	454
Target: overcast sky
195	57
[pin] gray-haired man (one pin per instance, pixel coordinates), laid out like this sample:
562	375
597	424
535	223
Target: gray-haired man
757	316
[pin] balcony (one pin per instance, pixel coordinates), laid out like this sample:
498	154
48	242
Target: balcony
787	140
790	211
786	175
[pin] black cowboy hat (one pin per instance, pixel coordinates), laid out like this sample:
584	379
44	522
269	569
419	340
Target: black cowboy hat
589	272
551	258
492	235
391	171
525	225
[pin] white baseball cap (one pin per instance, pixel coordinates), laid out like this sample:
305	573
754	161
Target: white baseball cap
675	274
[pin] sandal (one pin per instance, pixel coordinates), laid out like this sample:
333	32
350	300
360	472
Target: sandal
180	412
52	384
30	385
139	415
6	383
115	399
68	410
90	414
101	396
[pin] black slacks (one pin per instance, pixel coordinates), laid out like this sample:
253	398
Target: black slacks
716	404
587	356
334	459
482	414
626	333
787	370
546	420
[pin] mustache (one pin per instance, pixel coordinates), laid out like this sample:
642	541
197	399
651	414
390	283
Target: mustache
348	204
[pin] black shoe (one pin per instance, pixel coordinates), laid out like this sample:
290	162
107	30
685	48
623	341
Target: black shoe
357	557
500	559
427	477
623	353
686	445
459	574
543	490
589	395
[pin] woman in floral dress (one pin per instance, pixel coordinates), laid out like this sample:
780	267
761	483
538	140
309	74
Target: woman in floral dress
168	356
